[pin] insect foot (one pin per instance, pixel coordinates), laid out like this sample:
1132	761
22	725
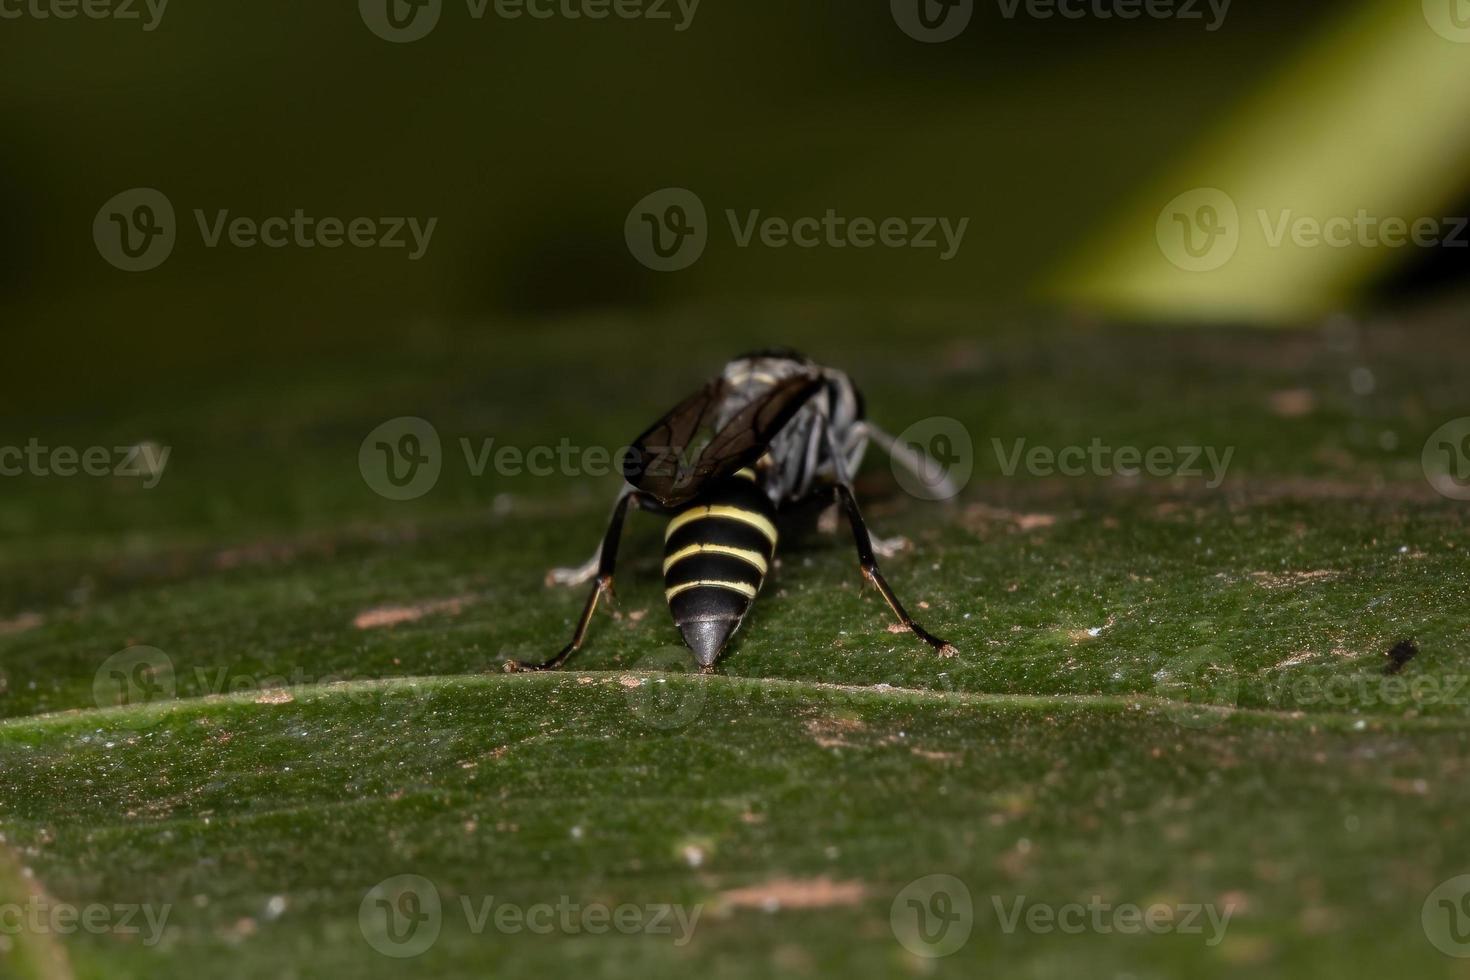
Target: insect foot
889	547
572	576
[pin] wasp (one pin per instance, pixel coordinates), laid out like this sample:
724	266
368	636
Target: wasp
774	431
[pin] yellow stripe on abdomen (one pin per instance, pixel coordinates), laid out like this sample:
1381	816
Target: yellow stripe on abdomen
755	520
753	557
746	590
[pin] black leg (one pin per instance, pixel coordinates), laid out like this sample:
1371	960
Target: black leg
872	573
866	559
606	562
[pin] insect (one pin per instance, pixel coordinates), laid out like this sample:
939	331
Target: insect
774	430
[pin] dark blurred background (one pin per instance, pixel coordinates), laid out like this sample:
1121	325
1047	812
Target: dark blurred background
530	140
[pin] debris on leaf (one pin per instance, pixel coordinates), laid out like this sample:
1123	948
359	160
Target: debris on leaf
1402	653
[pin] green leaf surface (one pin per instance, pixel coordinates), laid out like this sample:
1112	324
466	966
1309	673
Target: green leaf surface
264	825
245	699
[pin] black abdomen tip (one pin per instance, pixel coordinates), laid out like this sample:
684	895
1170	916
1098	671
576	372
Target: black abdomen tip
716	555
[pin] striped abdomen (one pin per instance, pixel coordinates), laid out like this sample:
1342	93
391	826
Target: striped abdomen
717	551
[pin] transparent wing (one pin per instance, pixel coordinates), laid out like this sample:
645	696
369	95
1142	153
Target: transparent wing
680	453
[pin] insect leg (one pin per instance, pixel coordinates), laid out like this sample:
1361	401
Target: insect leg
917	463
607	559
585	572
869	562
580	575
